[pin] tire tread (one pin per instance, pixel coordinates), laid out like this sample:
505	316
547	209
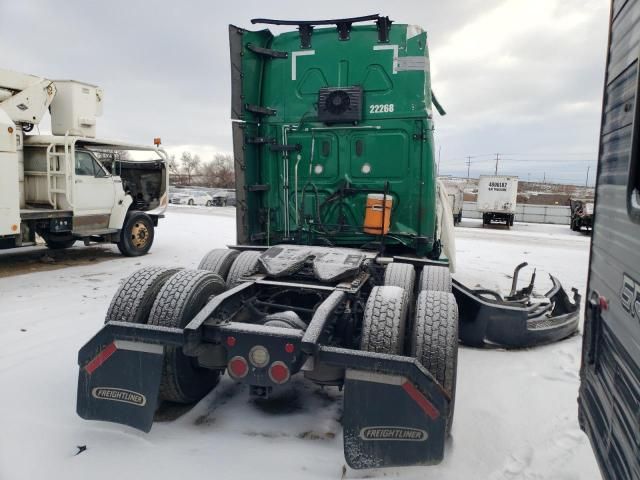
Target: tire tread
133	300
245	264
219	260
384	320
435	278
169	310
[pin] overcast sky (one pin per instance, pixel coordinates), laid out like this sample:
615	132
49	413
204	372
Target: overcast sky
521	78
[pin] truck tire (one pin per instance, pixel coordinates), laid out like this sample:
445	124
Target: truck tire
183	295
435	278
401	275
136	236
384	321
59	242
435	340
245	264
132	302
219	260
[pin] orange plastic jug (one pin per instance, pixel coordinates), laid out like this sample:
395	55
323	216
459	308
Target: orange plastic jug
376	213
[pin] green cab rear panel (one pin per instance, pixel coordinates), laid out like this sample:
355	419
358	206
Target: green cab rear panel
303	179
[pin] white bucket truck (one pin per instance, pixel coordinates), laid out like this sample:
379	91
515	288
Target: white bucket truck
497	195
69	185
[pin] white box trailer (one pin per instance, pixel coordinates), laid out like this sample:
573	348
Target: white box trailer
497	197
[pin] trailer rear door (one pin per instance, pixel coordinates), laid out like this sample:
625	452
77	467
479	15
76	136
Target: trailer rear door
609	401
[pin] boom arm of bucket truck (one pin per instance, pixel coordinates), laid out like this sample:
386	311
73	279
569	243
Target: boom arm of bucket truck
25	98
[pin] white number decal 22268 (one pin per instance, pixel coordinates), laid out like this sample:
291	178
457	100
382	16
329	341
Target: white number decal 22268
381	108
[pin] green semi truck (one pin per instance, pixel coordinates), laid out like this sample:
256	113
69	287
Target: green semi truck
325	117
341	268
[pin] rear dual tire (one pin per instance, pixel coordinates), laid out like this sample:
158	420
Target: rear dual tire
170	297
435	278
384	322
177	303
434	335
219	261
434	341
132	302
245	264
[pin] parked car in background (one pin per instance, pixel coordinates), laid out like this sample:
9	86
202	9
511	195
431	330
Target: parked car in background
222	198
191	197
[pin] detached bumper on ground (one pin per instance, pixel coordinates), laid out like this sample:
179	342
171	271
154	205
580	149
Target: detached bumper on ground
488	319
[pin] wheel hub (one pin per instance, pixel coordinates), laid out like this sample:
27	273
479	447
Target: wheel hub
139	235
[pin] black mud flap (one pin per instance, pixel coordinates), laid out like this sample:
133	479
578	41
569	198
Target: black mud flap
120	370
395	413
487	319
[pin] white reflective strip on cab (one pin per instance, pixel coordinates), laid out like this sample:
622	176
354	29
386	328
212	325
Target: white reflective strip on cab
395	55
139	347
294	56
375	377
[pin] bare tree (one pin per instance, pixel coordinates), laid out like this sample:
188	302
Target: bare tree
219	171
172	164
190	165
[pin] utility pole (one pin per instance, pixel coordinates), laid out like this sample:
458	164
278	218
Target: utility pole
439	149
468	166
586	184
497	160
544	177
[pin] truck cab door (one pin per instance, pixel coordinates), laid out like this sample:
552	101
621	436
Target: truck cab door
94	194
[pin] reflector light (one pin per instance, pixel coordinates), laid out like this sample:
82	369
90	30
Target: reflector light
259	356
279	372
238	367
102	357
289	348
231	341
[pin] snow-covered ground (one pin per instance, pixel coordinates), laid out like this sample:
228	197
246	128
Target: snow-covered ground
516	412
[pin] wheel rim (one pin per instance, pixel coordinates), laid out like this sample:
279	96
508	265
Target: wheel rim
139	235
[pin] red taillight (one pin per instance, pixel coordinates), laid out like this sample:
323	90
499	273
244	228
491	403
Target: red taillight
289	348
279	372
238	367
231	341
